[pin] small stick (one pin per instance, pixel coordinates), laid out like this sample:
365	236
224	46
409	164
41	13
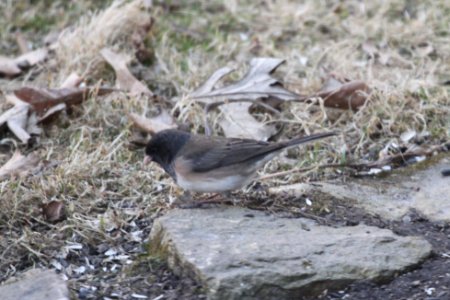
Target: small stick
292	171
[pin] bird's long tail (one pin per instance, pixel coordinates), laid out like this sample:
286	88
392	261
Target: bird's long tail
308	138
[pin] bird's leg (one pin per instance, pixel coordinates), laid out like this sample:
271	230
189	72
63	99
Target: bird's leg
187	201
186	197
218	198
184	200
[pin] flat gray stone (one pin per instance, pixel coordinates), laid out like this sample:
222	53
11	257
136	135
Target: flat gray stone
420	187
243	254
35	284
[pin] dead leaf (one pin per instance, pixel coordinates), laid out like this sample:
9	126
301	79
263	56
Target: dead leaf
9	67
238	122
36	105
32	58
19	165
72	81
153	125
42	99
344	95
15	66
125	80
53	211
408	135
16	118
256	84
52	112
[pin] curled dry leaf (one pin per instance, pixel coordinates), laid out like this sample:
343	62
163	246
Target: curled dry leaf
42	99
35	105
53	211
19	165
32	58
153	125
125	80
72	81
238	122
256	84
15	66
16	118
344	95
9	67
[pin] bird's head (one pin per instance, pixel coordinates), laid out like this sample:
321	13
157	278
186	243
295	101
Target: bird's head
164	146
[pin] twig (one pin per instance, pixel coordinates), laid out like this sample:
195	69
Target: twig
292	171
394	159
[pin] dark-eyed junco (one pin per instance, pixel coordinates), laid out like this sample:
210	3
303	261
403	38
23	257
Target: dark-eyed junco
202	163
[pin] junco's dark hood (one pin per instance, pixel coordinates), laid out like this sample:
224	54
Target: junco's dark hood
214	164
164	147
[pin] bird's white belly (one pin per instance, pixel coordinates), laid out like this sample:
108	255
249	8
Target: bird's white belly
212	185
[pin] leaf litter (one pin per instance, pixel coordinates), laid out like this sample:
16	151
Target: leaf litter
153	125
124	79
19	165
344	93
257	84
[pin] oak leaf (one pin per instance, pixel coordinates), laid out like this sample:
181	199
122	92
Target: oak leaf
124	79
19	165
153	125
237	122
256	84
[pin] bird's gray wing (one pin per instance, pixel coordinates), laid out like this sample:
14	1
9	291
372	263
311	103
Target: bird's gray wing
219	152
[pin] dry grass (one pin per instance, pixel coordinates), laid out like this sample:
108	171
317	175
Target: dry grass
100	178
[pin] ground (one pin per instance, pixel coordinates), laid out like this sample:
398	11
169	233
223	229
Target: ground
399	48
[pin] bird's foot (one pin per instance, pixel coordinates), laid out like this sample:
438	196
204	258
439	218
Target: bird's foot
212	200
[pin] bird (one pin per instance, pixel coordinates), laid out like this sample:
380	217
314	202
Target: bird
214	164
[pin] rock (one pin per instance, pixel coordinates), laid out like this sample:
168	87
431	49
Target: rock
380	198
35	284
391	197
243	254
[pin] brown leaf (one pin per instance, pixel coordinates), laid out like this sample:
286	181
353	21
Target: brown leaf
153	125
42	99
256	84
344	95
124	79
238	122
54	211
19	165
